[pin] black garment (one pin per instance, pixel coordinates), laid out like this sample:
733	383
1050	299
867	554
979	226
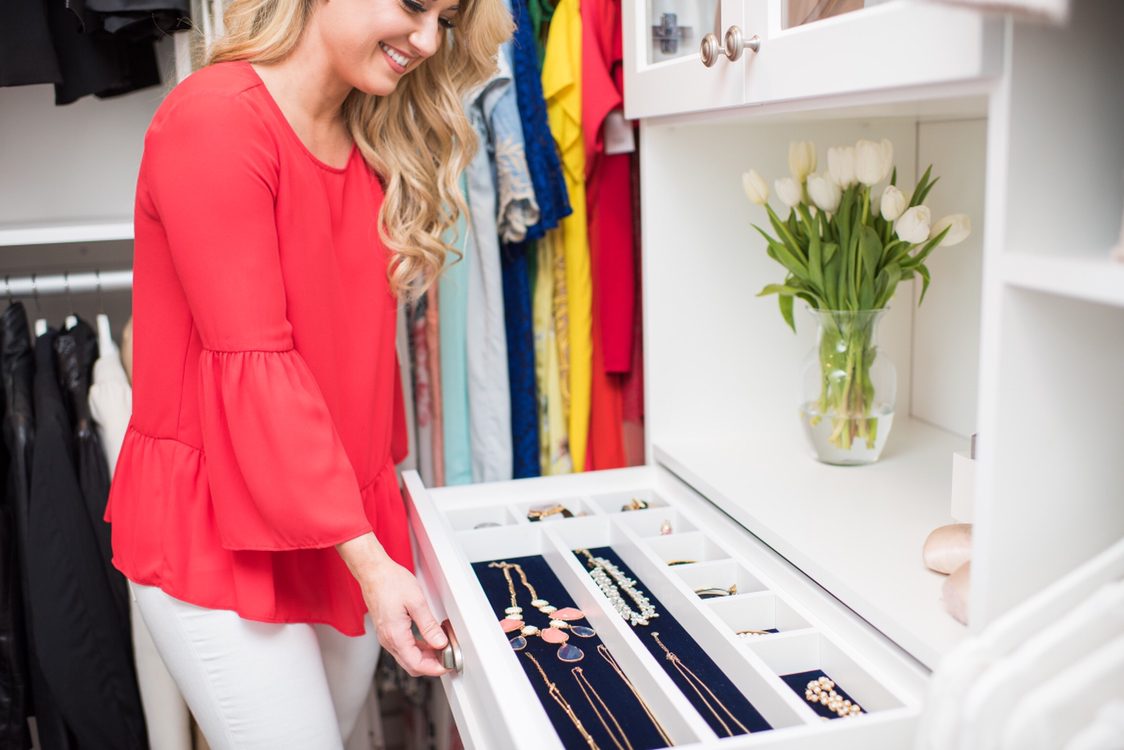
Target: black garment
27	55
17	370
85	653
14	677
92	61
76	350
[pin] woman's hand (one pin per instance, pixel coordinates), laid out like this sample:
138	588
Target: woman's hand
395	600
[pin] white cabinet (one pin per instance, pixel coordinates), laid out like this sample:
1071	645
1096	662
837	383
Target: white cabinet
888	45
1019	339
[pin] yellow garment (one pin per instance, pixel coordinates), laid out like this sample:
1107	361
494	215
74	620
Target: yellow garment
554	452
561	82
561	315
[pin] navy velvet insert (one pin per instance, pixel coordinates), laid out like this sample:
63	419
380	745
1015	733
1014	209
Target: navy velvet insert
799	683
692	655
638	728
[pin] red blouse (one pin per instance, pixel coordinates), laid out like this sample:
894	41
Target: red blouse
265	386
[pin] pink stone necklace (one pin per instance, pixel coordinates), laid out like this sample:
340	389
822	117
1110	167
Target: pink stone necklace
560	619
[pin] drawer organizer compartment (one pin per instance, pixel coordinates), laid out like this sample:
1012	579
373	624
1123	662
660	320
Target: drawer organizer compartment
752	616
803	657
603	666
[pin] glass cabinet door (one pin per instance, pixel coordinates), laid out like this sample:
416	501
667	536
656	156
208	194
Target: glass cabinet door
801	12
677	27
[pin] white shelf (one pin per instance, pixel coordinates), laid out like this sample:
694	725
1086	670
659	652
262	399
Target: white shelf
1091	279
857	531
62	232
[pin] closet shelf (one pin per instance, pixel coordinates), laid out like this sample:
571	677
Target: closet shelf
857	531
62	232
1093	279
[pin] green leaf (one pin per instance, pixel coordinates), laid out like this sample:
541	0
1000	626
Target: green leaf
785	303
778	289
930	246
815	252
894	177
831	272
786	237
925	192
921	185
829	251
923	270
871	248
888	279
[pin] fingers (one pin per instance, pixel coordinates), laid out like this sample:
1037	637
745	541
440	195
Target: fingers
427	624
418	658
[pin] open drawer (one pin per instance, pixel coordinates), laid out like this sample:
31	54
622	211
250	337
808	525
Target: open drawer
749	631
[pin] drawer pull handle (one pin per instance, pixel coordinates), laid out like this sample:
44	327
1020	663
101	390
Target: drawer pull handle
736	43
451	654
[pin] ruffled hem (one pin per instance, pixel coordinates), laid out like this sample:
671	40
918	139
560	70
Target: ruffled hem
165	535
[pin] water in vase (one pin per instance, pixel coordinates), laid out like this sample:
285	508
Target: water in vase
819	430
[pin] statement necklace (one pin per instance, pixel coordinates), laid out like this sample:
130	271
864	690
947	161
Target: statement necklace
612	581
560	619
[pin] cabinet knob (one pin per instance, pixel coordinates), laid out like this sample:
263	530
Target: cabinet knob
451	654
710	49
736	43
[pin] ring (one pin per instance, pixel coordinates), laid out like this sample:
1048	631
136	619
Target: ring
635	504
714	591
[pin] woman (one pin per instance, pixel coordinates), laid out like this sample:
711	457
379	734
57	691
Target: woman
289	194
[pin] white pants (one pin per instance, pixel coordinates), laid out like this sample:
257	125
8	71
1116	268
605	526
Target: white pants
257	685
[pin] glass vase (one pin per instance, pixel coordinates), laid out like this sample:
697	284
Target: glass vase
849	389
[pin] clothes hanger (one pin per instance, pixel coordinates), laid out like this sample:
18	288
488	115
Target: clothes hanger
105	335
40	322
71	319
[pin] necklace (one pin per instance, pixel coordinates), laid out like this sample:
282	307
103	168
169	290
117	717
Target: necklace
612	581
608	657
564	704
559	618
590	693
695	683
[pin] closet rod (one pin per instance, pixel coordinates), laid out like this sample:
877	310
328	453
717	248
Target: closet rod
67	283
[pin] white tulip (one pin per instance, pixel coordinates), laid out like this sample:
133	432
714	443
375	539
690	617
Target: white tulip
873	161
801	159
841	165
788	190
893	203
756	188
824	192
959	227
913	225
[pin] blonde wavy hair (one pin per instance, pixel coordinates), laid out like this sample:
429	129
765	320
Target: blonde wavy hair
418	139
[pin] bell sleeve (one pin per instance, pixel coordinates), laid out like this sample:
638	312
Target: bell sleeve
277	470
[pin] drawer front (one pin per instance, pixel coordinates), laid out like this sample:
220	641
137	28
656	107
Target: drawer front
493	700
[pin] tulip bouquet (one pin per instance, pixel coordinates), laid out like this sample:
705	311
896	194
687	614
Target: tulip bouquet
845	250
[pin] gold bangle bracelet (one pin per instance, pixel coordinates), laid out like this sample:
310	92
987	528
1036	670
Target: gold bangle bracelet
681	562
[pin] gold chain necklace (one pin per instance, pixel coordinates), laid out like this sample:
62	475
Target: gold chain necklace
694	681
556	694
587	688
604	652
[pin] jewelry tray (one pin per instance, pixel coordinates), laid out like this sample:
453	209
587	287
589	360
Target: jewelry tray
815	636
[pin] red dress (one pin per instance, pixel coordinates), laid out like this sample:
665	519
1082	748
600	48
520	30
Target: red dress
266	396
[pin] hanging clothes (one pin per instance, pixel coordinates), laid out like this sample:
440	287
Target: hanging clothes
166	715
424	389
609	195
17	365
76	350
27	54
543	163
489	394
554	446
15	676
433	362
562	86
79	638
111	396
453	304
